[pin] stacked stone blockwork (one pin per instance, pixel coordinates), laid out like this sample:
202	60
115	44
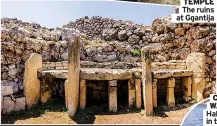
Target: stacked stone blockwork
107	43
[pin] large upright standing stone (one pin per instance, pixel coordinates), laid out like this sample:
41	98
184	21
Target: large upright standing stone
187	83
83	94
197	63
112	90
132	93
31	81
73	74
46	89
170	92
154	92
66	93
147	79
138	93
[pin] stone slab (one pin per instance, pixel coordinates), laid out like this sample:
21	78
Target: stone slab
6	90
90	74
20	104
138	93
31	81
112	96
83	94
197	63
166	73
8	105
132	93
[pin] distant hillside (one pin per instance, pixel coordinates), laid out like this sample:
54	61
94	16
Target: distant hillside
172	2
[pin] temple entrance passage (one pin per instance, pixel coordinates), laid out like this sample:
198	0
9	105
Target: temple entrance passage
122	93
175	81
97	93
162	92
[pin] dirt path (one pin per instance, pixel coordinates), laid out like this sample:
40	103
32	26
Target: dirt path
92	115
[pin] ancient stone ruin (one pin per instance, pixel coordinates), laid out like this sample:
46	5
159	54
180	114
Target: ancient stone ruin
106	60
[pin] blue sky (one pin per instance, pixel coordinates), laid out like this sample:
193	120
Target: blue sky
56	13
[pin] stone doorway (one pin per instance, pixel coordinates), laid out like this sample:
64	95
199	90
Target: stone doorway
162	91
97	93
122	92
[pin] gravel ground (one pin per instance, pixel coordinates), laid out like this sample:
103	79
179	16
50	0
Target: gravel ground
54	112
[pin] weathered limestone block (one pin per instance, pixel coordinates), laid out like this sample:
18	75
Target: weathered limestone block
197	63
147	79
171	73
182	73
73	74
154	92
20	104
186	83
96	74
170	92
208	84
83	94
158	65
66	93
181	66
2	102
53	74
6	90
170	65
162	74
121	74
46	89
198	86
137	73
105	74
31	81
131	90
8	105
138	93
112	89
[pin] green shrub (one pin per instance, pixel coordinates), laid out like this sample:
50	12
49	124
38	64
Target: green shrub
136	52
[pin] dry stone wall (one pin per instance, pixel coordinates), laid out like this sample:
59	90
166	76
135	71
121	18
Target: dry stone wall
103	40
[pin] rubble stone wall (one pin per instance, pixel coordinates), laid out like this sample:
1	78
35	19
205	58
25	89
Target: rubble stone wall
103	40
18	41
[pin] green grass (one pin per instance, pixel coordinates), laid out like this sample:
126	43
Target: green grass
136	52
